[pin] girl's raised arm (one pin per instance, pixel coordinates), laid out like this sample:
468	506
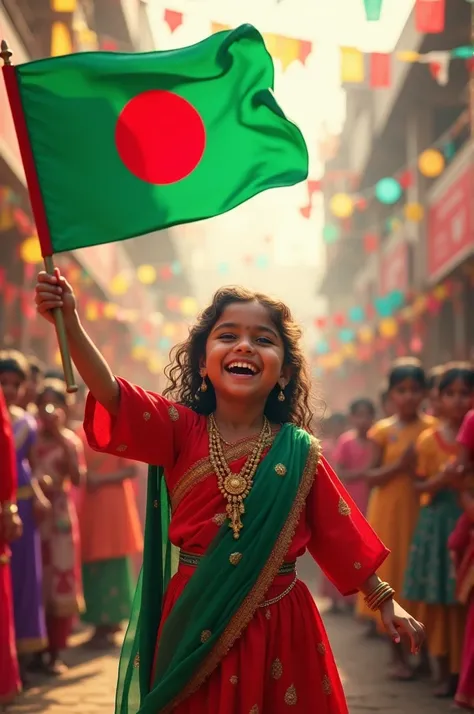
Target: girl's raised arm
54	291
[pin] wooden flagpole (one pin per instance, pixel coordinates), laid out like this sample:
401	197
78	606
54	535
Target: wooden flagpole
37	206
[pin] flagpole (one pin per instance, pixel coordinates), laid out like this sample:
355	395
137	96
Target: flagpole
36	204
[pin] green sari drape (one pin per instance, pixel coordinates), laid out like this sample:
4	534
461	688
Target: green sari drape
220	598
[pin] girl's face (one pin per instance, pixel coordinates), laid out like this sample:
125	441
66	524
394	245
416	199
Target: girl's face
362	419
245	353
407	396
455	400
51	411
12	385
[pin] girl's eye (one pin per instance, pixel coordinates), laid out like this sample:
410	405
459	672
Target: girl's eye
264	340
227	336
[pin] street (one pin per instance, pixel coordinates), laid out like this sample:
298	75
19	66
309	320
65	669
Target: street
89	686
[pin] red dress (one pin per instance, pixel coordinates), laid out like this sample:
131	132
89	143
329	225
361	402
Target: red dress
10	683
283	657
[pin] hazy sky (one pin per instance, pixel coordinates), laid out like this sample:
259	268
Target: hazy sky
270	227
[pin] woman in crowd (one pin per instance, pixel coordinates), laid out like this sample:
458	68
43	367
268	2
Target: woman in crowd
393	505
429	579
10	529
61	457
27	575
110	537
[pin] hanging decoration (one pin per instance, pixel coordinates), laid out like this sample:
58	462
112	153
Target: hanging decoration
146	274
388	328
414	212
388	191
30	251
380	70
331	233
431	163
341	205
430	16
173	19
119	285
352	65
371	243
373	10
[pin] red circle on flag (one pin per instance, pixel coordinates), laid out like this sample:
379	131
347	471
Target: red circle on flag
160	137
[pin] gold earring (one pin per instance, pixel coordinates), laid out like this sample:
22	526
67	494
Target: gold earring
203	386
281	395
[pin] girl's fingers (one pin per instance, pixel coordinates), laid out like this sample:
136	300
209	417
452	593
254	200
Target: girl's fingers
44	277
47	289
45	306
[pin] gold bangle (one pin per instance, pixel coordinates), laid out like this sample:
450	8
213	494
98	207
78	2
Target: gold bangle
10	507
387	594
373	594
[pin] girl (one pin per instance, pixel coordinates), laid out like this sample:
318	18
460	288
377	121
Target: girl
61	456
461	544
27	575
393	505
429	579
432	385
236	631
10	529
333	427
107	551
351	458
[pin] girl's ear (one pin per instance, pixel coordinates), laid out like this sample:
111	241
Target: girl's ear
202	362
286	374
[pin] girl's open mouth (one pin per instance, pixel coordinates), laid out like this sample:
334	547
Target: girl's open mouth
242	369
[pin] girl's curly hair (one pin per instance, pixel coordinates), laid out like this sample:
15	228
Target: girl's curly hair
183	372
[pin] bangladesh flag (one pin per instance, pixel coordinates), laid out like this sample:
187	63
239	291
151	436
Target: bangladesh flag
118	145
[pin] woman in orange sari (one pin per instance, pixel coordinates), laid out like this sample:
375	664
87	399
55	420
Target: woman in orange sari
110	537
60	456
10	529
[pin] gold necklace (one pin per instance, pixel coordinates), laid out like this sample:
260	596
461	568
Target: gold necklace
235	487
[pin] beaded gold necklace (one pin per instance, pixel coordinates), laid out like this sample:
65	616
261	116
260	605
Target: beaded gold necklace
235	487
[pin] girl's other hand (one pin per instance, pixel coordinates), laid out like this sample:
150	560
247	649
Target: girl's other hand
398	622
54	291
408	459
11	526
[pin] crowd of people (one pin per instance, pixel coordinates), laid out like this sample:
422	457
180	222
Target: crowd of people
69	561
410	473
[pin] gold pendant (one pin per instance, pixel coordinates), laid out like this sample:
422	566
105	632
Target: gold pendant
235	485
234	512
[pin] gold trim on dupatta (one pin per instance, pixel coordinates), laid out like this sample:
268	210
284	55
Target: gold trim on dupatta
203	468
254	598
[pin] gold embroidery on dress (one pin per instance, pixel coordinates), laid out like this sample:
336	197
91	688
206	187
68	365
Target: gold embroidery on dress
173	413
277	668
155	503
254	709
205	635
327	689
343	507
321	648
244	614
122	447
219	519
146	416
235	558
357	565
136	660
268	614
202	469
234	679
291	698
280	469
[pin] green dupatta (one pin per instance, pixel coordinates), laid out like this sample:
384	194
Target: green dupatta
220	598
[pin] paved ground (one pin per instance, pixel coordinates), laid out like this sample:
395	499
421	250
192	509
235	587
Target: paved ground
88	688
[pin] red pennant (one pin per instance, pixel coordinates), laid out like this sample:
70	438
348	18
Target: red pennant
173	19
313	187
306	211
339	319
166	273
371	243
380	70
406	179
320	322
305	50
361	204
435	69
430	16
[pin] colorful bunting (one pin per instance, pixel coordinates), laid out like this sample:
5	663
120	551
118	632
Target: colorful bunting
173	19
373	10
430	16
380	70
352	65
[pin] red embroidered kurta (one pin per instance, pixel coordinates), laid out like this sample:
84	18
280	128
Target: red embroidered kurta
9	675
283	657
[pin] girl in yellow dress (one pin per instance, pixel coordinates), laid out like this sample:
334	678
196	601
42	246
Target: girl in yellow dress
394	503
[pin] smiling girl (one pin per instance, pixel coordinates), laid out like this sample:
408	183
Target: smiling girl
234	631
